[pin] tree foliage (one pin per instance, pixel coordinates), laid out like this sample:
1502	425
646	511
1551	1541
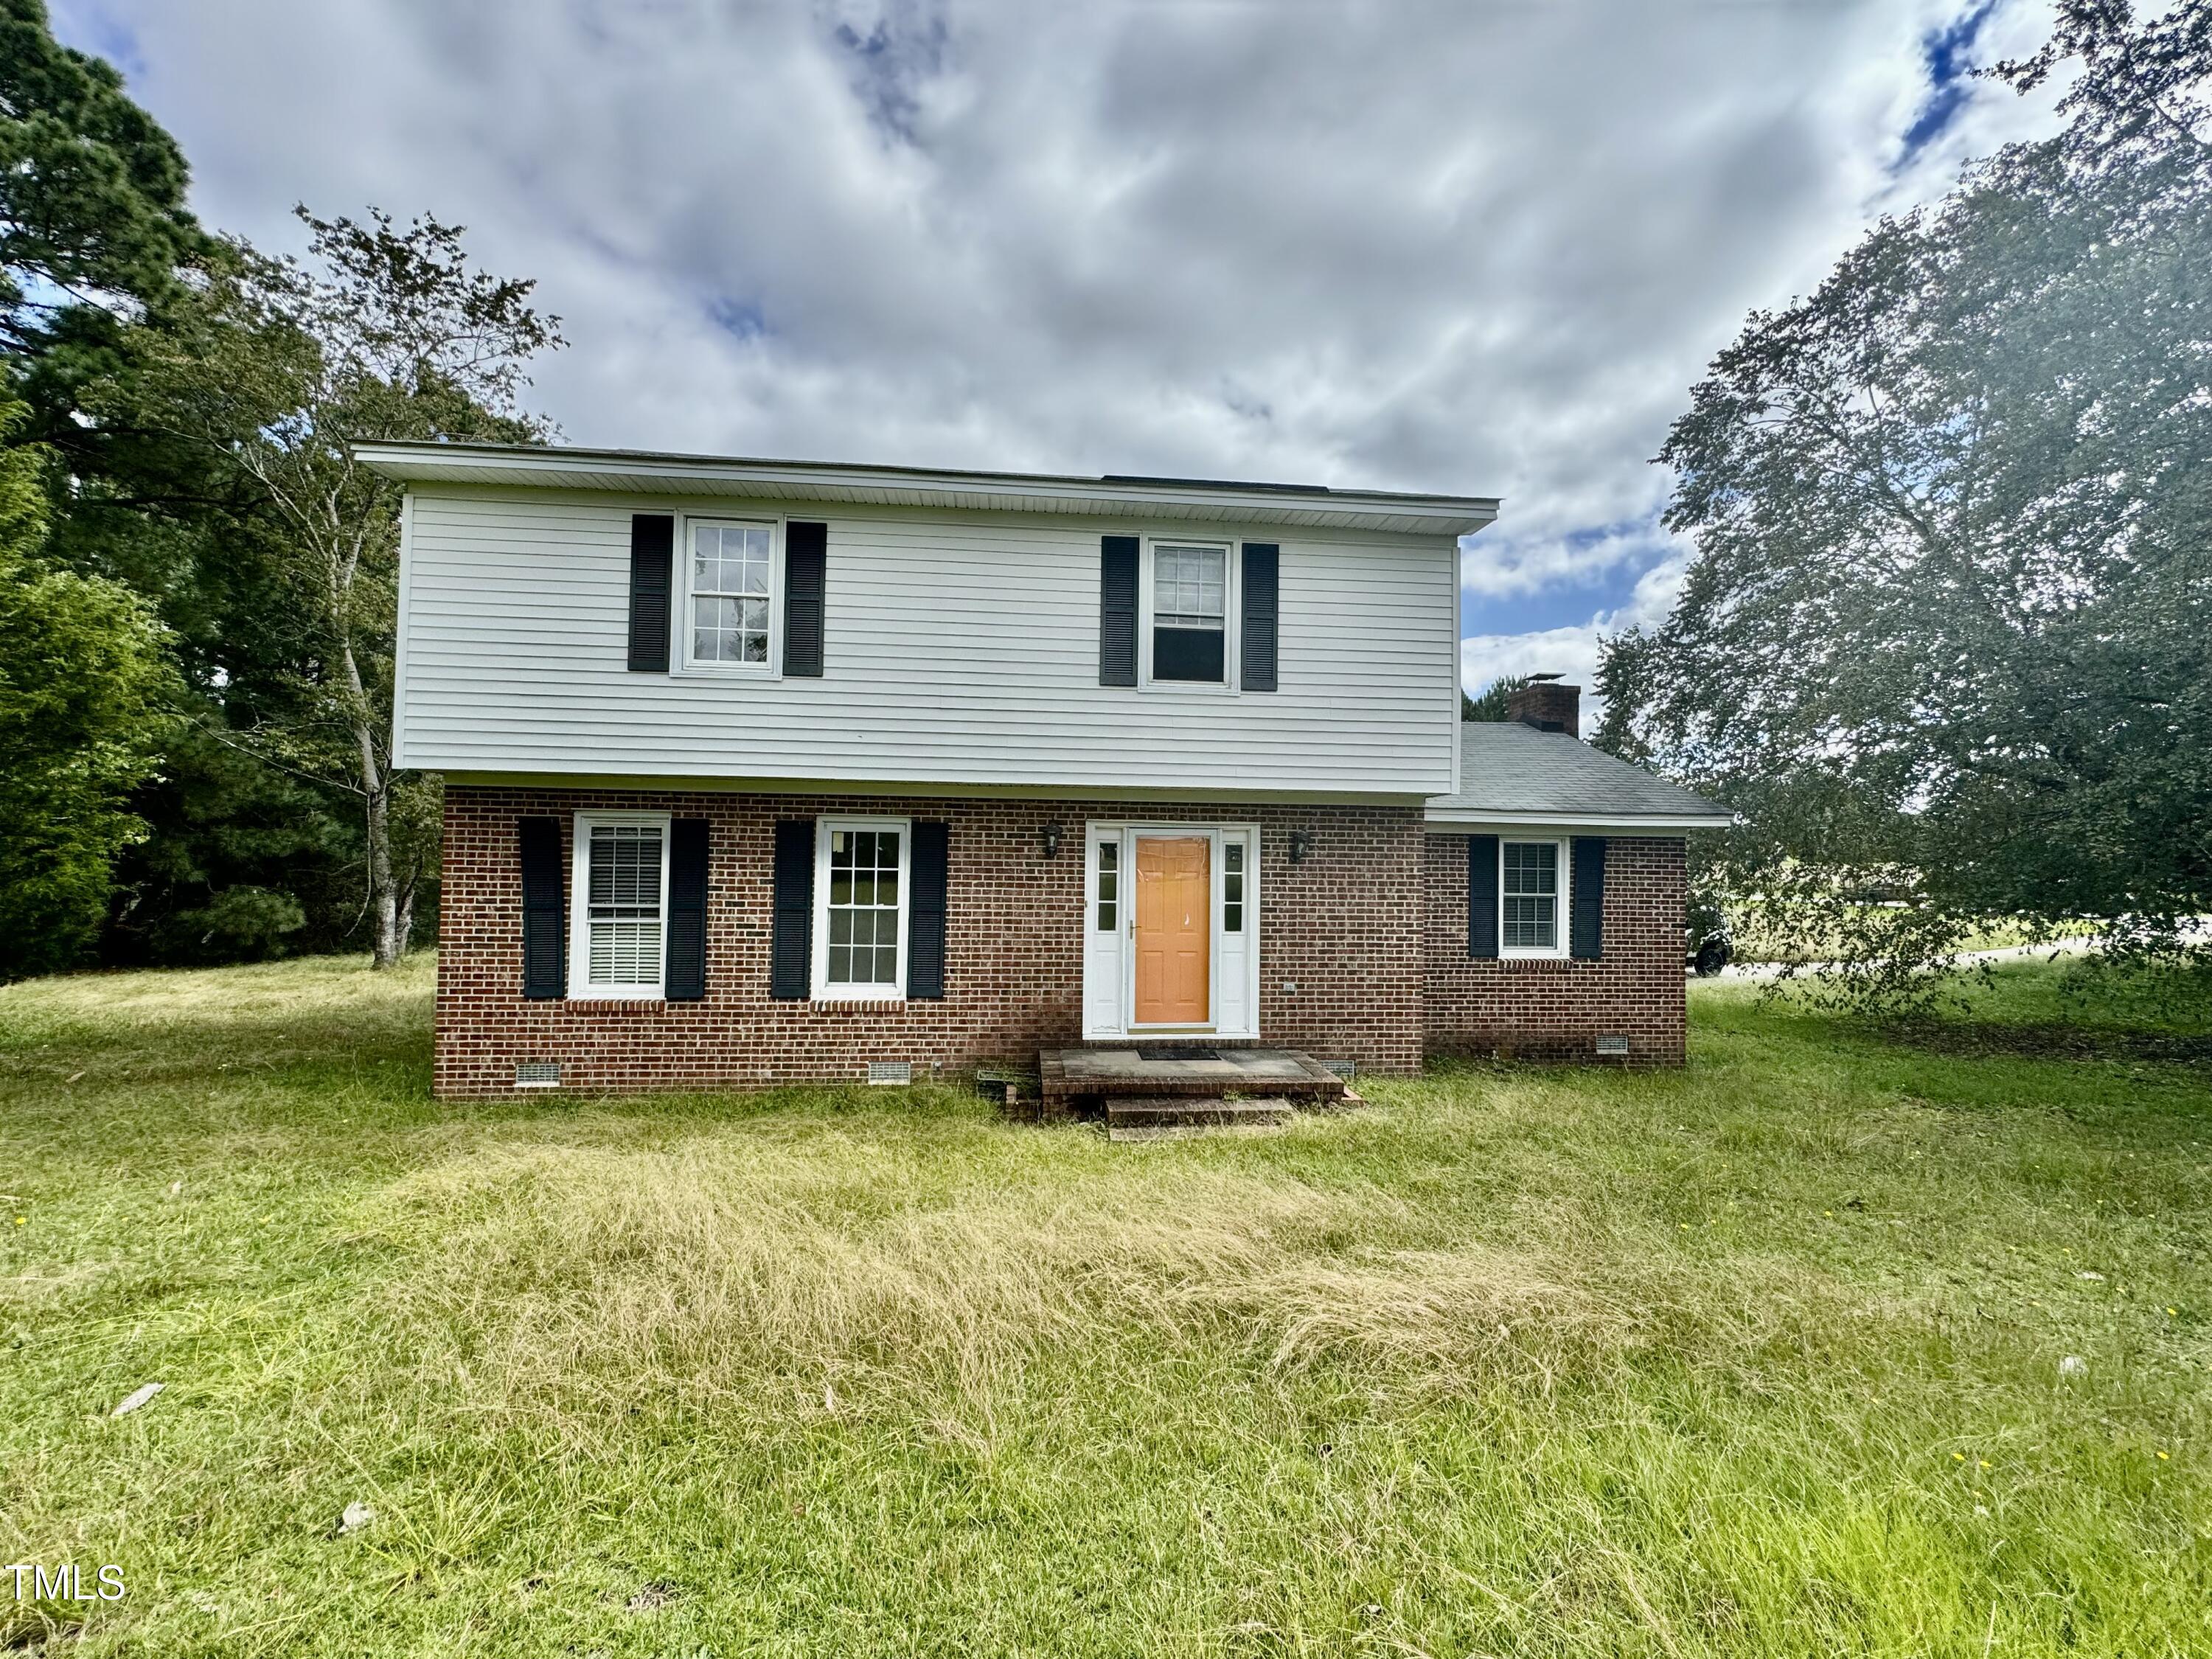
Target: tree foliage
1491	705
1947	635
84	681
269	371
92	190
192	404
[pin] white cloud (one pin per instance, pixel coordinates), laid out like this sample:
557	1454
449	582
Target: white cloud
1470	248
1573	651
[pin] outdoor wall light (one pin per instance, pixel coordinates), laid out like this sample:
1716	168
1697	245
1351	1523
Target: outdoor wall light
1052	840
1301	844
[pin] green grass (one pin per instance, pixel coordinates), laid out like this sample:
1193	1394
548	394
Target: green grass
1758	1358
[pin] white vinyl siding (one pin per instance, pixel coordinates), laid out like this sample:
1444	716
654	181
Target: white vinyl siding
620	904
960	650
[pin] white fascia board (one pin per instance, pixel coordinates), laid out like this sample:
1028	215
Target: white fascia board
635	471
1669	823
1164	794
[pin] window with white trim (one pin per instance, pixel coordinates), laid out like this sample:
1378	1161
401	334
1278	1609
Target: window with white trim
731	594
1531	889
619	941
861	921
1232	885
1190	621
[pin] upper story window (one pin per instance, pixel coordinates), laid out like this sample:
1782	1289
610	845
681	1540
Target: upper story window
732	595
1529	894
1188	624
861	873
620	905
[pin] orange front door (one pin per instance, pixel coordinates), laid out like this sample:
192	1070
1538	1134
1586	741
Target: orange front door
1175	929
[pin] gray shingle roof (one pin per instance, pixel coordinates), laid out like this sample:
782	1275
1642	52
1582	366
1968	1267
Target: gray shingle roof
1514	772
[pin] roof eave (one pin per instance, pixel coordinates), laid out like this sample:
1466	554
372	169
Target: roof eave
1472	819
644	472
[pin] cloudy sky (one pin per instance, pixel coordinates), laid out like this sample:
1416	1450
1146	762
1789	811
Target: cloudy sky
1469	247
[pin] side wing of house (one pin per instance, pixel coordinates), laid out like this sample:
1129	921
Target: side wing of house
1554	889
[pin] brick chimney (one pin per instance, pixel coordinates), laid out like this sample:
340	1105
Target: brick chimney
1546	705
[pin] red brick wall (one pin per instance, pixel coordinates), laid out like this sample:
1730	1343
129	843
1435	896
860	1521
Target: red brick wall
1555	1010
1344	926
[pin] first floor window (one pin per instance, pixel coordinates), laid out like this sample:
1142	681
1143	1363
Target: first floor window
864	866
732	588
1190	613
622	902
1232	885
1529	891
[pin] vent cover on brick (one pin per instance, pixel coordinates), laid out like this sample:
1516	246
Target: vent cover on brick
1347	1069
1613	1047
538	1074
890	1070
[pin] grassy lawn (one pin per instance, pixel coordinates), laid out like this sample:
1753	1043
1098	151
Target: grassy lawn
1759	1359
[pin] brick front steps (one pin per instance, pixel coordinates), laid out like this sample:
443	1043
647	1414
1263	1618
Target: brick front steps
1174	1116
1163	1091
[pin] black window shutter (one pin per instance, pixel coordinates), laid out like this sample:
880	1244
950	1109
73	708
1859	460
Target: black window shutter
791	946
1257	646
545	946
1117	611
686	970
1586	899
652	572
925	921
805	579
1482	896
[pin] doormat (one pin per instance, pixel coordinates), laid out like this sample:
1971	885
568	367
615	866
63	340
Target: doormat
1163	1051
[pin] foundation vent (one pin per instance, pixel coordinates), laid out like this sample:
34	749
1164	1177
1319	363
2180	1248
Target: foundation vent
1347	1069
538	1074
890	1070
1613	1047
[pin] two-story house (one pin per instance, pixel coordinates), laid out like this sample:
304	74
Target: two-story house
760	771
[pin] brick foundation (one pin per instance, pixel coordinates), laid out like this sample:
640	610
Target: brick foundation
1556	1010
1344	927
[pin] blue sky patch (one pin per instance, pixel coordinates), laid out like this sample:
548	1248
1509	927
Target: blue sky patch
1947	53
94	29
891	60
738	317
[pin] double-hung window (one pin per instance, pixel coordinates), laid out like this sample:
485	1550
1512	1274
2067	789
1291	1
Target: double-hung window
732	620
1531	891
619	937
860	923
1190	621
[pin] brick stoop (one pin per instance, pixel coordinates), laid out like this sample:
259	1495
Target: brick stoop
1106	1071
1179	1117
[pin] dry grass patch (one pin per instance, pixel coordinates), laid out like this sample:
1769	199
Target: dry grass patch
568	1277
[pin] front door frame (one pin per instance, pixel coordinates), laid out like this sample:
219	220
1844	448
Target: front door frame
1126	836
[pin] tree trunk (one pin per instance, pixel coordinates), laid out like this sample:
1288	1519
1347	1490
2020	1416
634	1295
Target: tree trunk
405	930
384	948
384	902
